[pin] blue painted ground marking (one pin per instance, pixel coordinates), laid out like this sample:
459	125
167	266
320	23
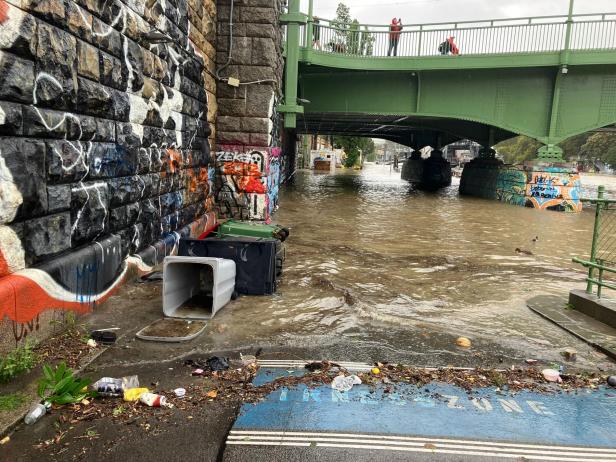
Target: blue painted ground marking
584	418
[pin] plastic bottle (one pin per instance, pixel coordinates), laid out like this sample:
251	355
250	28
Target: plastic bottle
37	411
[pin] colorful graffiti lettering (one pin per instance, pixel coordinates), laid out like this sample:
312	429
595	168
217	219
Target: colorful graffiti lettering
554	191
247	185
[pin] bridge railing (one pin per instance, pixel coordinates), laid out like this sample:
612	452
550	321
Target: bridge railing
520	35
602	261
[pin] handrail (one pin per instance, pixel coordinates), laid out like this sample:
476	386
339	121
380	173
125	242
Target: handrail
596	260
491	21
542	34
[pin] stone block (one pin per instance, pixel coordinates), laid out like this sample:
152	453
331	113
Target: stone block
92	128
256	124
231	107
88	61
10	119
24	161
52	11
79	21
260	139
17	32
44	123
58	198
134	56
56	50
17	78
123	190
117	219
94	99
121	105
112	72
260	101
89	210
55	90
232	138
260	30
254	73
259	15
264	52
107	38
109	160
66	162
47	236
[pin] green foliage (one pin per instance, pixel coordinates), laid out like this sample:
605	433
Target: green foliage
367	42
61	386
587	147
19	360
518	149
12	401
349	35
352	146
600	146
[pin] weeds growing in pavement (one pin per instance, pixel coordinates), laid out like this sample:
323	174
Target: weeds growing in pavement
19	360
12	401
60	386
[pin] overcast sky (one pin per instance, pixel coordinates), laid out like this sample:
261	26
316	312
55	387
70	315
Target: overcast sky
422	11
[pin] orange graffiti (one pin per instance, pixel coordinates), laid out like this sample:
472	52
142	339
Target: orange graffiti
4	8
241	168
251	184
4	267
175	159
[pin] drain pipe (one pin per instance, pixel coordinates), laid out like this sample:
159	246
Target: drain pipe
224	66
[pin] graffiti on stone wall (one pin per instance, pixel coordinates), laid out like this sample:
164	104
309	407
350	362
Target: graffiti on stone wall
554	191
511	186
247	183
103	147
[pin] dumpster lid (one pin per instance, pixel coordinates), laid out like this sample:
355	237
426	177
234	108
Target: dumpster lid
172	330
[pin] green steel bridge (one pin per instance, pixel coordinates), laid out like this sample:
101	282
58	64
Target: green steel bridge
548	77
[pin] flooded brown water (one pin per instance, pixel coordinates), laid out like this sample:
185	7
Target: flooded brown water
373	265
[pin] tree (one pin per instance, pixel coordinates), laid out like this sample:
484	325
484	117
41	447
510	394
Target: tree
600	146
353	38
342	23
587	147
352	146
518	149
367	42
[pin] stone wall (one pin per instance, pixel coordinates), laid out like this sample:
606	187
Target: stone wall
540	185
104	152
249	157
246	113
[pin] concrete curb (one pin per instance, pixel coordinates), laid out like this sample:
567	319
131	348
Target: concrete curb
8	429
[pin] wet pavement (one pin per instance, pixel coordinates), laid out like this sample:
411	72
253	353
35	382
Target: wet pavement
375	271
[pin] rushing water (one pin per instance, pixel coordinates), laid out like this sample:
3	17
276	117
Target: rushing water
372	262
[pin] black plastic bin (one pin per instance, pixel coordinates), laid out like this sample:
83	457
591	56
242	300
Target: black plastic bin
258	261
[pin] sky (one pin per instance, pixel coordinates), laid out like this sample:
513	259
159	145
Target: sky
426	11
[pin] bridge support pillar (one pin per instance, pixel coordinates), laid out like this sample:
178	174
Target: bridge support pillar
412	169
431	173
535	184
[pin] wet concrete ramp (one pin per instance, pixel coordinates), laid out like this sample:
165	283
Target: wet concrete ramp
434	422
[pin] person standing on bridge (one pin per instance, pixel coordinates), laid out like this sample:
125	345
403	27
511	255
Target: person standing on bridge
394	36
448	46
316	33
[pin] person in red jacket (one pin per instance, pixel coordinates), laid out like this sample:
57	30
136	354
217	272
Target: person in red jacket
448	46
394	36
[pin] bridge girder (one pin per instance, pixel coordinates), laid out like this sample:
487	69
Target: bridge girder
484	105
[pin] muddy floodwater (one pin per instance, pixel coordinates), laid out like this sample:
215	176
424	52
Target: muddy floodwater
377	269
